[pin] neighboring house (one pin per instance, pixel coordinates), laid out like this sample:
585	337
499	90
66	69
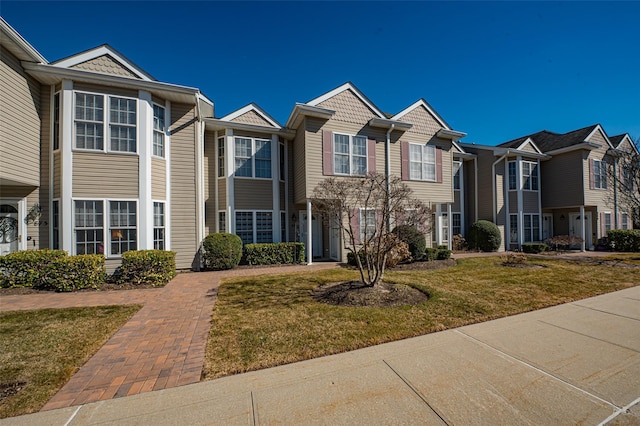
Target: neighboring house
342	133
509	190
98	156
578	195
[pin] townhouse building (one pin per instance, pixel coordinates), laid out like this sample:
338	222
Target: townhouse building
100	157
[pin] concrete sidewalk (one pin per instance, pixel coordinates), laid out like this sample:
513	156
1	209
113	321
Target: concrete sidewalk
577	363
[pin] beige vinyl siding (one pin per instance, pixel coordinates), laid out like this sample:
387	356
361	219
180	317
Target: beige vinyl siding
19	123
252	117
348	107
485	182
105	64
562	180
598	137
57	174
158	178
116	91
105	175
299	169
423	122
253	194
210	175
597	197
45	167
529	148
530	202
183	184
158	100
222	194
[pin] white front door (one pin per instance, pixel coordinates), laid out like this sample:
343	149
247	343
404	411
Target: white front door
576	230
316	232
334	240
9	227
547	226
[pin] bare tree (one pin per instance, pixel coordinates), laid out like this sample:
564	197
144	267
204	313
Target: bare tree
364	208
626	178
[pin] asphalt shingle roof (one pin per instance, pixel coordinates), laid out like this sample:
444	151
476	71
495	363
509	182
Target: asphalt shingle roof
550	141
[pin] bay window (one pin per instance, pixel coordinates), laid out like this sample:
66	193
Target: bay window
253	157
122	226
158	226
89	226
158	131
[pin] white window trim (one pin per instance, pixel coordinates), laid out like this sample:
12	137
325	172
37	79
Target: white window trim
537	237
53	120
165	227
106	107
221	172
624	216
604	224
424	162
106	209
153	131
454	174
532	164
254	222
603	175
253	158
362	215
351	155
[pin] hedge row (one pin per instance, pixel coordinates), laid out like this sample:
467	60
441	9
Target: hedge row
274	253
51	270
624	239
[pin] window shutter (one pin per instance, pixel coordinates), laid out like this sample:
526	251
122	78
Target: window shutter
438	164
619	221
355	225
371	152
404	157
603	232
592	184
327	153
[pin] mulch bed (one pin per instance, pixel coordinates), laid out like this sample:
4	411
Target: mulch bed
354	293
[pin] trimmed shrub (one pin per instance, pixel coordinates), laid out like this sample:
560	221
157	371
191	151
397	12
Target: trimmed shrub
430	254
458	243
534	247
155	267
443	253
274	253
221	251
484	236
28	268
414	238
351	258
624	239
77	272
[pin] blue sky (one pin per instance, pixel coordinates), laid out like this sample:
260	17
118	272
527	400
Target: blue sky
494	70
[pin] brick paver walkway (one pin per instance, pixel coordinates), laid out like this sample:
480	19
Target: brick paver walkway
162	346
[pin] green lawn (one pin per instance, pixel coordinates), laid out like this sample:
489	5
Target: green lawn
260	322
44	348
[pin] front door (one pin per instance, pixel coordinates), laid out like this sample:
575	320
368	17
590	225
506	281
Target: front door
547	226
575	227
316	230
334	240
9	227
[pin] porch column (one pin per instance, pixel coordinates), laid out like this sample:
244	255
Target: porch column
450	226
309	241
582	229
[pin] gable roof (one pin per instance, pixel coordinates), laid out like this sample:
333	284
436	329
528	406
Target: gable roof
618	140
256	110
421	102
347	86
104	50
550	141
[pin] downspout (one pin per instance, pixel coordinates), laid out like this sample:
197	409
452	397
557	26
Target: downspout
387	170
200	128
615	193
493	183
475	184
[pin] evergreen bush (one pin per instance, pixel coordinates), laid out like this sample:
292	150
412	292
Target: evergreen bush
221	251
484	236
414	239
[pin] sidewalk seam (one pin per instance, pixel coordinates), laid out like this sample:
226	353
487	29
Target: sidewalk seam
561	380
587	336
605	312
416	392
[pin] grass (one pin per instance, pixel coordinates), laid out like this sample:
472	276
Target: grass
44	348
266	321
633	258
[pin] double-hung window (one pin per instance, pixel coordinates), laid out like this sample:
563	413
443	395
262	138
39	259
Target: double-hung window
599	174
122	226
56	121
457	171
367	224
244	226
253	157
122	124
221	167
627	178
264	227
625	221
422	162
159	240
513	228
529	176
531	227
456	223
158	131
89	226
349	154
55	207
90	120
254	226
222	221
513	178
607	223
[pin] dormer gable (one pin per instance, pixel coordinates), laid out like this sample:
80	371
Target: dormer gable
252	114
349	104
528	145
104	60
599	136
624	142
416	114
